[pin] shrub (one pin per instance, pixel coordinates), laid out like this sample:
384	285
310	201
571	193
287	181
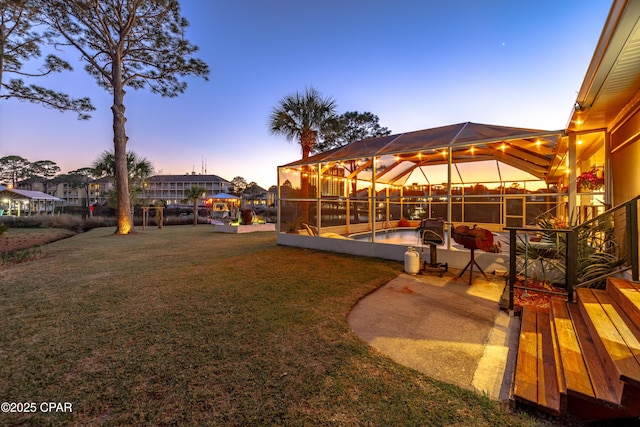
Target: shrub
22	221
20	255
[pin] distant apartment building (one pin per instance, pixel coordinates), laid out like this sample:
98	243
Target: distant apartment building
78	191
170	189
99	189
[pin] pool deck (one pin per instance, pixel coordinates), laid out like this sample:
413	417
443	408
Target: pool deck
456	256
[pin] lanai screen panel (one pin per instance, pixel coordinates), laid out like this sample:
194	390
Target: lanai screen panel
428	175
422	140
474	133
362	148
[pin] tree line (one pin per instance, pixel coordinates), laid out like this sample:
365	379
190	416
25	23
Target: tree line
140	44
16	169
137	44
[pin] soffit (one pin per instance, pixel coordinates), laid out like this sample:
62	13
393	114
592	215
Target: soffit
613	77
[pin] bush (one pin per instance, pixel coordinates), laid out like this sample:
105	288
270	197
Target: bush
20	255
77	224
22	221
73	223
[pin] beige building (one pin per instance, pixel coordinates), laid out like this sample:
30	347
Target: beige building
170	189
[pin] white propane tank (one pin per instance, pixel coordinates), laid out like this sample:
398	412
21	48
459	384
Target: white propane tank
411	261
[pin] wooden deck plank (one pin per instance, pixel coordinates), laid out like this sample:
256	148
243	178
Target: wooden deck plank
629	334
548	391
575	373
627	295
562	383
603	388
526	376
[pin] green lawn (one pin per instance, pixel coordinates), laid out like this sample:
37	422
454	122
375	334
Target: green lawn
184	326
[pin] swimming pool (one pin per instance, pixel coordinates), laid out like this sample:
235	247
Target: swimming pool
398	236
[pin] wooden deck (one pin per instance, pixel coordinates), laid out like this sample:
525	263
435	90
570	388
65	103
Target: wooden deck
582	357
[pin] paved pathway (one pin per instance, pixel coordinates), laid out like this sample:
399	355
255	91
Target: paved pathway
444	328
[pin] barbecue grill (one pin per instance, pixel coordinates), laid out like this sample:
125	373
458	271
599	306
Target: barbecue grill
472	239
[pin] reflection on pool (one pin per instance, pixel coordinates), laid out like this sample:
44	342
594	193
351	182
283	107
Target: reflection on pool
399	236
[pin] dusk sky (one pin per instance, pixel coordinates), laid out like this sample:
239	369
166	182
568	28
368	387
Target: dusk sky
416	64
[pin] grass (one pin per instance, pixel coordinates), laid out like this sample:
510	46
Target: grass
188	327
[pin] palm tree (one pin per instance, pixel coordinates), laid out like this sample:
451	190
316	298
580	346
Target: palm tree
301	117
138	170
193	194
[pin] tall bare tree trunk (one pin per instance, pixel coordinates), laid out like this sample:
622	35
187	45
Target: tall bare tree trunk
125	223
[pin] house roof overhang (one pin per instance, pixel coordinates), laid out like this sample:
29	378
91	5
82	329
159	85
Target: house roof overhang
610	89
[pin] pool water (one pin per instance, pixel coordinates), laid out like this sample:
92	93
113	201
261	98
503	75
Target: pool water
398	236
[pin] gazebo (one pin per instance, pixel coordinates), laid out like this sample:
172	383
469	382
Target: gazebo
26	202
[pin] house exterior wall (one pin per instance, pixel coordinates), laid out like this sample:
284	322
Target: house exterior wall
625	158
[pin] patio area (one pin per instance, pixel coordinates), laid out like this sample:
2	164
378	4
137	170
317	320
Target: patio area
411	320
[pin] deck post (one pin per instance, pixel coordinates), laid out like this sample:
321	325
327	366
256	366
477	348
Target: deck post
632	234
571	263
512	267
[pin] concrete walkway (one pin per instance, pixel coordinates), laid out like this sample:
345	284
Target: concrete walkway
443	328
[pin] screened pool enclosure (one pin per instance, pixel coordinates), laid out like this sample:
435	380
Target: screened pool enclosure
467	173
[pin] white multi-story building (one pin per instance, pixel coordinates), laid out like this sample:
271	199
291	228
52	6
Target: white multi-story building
170	189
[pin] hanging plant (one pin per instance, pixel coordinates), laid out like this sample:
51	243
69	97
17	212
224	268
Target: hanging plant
588	179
